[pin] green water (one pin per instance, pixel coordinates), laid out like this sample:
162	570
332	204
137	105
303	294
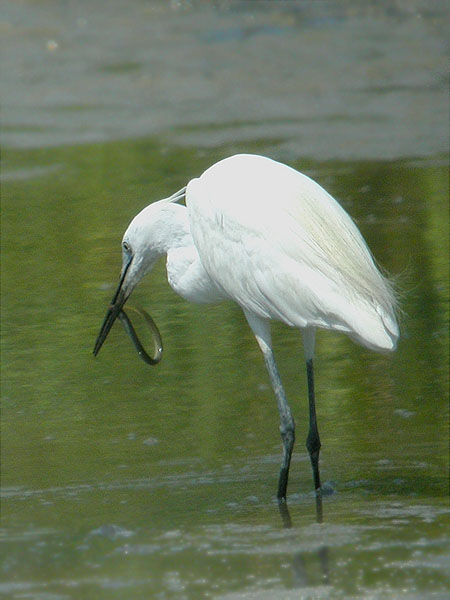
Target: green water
124	481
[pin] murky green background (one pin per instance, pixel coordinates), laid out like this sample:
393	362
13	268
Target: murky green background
124	481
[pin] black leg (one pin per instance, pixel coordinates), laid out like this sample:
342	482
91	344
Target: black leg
287	425
313	439
288	439
261	329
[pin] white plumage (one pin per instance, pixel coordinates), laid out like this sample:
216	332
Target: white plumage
262	234
279	245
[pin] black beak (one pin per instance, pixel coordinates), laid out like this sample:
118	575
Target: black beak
117	303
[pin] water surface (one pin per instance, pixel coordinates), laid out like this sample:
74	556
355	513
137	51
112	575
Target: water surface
121	480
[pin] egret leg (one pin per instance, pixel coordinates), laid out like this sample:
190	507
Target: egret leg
313	439
261	329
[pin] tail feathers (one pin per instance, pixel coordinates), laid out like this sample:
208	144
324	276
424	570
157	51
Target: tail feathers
375	329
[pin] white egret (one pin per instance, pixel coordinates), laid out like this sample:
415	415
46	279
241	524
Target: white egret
270	238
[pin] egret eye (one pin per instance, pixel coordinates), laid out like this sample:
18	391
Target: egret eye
126	246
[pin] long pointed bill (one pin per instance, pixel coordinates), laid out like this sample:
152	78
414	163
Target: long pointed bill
119	299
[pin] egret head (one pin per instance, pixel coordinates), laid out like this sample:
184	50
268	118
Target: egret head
145	240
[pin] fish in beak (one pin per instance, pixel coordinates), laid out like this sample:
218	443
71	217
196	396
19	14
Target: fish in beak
143	243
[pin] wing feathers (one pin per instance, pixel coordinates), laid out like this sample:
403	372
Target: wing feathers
282	247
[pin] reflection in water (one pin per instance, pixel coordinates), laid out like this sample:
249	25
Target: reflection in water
302	569
286	515
301	560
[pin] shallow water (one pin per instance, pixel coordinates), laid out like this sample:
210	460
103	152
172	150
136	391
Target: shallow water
121	480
